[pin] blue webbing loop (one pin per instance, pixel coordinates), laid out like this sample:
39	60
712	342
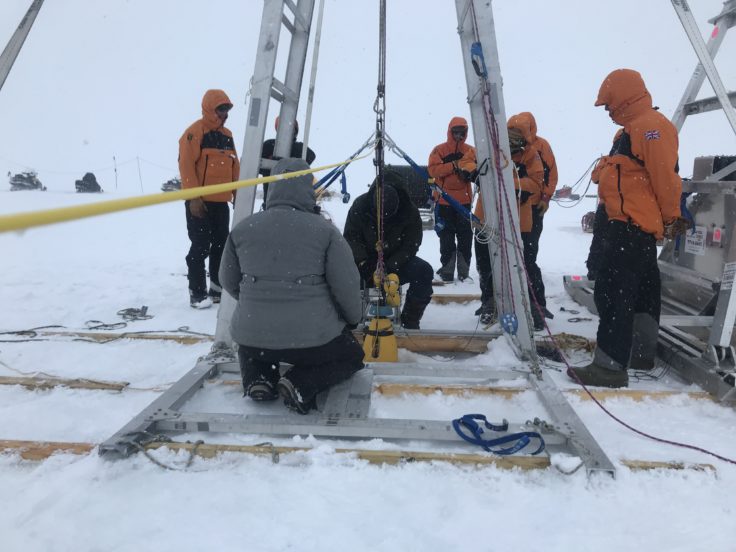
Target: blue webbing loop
469	423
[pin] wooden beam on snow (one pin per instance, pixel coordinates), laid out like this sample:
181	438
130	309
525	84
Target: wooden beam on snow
446	299
49	383
111	336
41	450
645	465
391	457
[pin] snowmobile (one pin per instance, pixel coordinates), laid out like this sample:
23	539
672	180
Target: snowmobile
88	184
25	181
171	185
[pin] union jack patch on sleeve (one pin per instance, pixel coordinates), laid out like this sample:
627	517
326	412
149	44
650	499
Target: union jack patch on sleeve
651	135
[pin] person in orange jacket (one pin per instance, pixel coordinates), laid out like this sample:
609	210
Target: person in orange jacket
528	181
526	120
640	188
444	166
207	156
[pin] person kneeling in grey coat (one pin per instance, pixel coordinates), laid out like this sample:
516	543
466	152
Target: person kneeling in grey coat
298	290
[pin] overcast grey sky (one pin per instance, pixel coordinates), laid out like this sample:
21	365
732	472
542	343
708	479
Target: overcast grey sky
125	77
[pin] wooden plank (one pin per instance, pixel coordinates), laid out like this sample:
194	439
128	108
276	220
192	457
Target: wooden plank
107	336
49	383
41	450
390	389
637	394
394	389
644	465
446	344
444	299
391	457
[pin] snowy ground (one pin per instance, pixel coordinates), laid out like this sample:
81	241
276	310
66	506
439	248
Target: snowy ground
74	272
123	78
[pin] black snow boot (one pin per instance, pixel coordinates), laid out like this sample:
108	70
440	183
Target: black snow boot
463	270
293	398
600	376
261	391
488	314
447	272
412	314
602	372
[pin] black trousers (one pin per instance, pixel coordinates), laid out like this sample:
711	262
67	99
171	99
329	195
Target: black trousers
627	284
531	250
315	369
597	244
208	236
418	274
456	226
485	272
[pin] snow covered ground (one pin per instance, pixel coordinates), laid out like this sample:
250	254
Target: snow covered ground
123	78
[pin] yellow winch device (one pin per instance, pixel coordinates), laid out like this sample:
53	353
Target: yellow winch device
380	344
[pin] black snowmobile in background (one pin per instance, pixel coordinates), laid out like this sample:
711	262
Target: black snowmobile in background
25	181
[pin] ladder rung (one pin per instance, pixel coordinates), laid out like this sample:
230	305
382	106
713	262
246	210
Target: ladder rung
280	92
298	18
288	24
707	104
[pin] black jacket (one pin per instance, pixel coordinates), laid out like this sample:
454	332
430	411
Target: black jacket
402	233
296	153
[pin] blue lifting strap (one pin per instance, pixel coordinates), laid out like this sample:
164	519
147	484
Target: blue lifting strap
687	214
468	428
478	60
344	188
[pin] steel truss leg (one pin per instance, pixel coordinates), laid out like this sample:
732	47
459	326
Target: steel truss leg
485	99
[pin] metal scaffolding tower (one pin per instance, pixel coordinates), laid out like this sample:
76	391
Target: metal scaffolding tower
12	49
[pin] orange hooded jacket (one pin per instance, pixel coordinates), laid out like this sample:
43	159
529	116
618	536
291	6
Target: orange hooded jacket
638	180
443	171
545	153
528	177
207	152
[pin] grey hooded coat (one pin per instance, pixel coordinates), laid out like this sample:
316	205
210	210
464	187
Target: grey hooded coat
290	270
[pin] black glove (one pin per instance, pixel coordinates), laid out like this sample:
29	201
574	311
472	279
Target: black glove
524	196
467	176
457	156
521	170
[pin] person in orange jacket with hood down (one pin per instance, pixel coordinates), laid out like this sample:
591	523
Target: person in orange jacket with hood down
443	166
207	156
640	188
528	181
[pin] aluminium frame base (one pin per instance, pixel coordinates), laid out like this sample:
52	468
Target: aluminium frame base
344	414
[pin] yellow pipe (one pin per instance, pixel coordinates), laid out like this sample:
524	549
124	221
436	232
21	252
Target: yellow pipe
22	221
